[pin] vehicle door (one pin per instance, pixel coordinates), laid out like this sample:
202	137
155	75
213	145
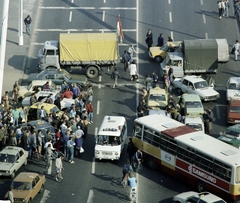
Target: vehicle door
21	157
17	162
184	85
36	186
123	136
190	88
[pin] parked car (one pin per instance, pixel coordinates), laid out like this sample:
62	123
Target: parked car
231	135
196	85
196	123
233	112
26	186
11	159
233	88
157	98
58	75
192	104
160	53
194	197
35	86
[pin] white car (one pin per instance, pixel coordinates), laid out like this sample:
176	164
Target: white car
196	85
43	95
196	123
11	159
233	88
194	197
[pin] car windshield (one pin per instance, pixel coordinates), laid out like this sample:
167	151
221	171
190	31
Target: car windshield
40	75
231	134
195	126
195	104
21	185
29	86
54	109
235	109
67	74
234	86
157	97
164	47
201	85
7	158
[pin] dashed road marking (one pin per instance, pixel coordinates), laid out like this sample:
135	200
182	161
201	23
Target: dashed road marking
90	196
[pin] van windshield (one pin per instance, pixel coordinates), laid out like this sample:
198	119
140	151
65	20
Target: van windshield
108	140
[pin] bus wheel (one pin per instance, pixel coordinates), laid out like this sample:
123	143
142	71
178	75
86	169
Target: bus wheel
150	162
201	187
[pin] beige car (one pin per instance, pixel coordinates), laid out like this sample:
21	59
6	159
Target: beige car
35	86
11	159
26	186
157	98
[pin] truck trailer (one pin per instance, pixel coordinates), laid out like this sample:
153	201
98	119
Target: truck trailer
90	51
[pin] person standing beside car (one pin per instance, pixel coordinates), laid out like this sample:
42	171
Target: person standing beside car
10	195
236	50
149	38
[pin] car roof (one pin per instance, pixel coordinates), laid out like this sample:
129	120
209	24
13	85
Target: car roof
193	78
25	177
41	82
39	123
234	128
208	197
46	105
189	119
191	97
11	150
157	90
234	80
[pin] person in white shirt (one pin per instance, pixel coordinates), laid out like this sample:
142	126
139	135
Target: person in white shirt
133	70
236	51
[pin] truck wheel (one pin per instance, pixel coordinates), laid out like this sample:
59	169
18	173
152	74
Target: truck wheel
158	59
92	72
179	91
150	162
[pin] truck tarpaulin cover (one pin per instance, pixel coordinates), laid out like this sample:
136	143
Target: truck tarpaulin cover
87	47
201	54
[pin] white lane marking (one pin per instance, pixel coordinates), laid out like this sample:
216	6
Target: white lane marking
204	19
170	17
201	1
72	1
104	1
99	80
103	17
90	196
83	30
45	196
93	165
137	27
169	1
206	35
98	107
171	34
95	133
70	16
90	8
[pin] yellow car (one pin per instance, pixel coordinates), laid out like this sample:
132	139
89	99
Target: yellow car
160	53
157	98
26	186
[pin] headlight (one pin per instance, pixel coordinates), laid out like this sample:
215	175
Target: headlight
116	153
96	152
7	171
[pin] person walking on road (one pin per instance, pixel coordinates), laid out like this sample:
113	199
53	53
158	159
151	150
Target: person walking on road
236	50
126	59
154	79
169	39
10	195
149	38
148	82
89	108
59	166
226	8
28	21
221	8
160	40
131	149
211	117
48	155
206	119
115	75
70	146
131	51
133	70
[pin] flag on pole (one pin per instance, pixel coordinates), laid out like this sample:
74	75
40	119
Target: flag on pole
119	29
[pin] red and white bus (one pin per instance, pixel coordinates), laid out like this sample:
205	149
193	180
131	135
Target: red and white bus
193	156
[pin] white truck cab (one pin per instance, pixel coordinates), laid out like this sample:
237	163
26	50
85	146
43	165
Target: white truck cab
111	138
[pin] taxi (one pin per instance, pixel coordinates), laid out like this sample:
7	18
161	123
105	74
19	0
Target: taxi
193	105
26	186
231	135
233	112
233	88
160	53
157	98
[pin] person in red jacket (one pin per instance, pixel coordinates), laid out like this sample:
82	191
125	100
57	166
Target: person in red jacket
89	109
67	94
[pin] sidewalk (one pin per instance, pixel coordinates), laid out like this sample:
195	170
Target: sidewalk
16	56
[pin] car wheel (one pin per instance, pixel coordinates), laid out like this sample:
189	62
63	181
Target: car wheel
92	72
41	190
158	59
150	162
25	163
13	175
201	187
179	91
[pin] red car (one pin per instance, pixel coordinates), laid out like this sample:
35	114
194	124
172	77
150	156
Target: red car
233	112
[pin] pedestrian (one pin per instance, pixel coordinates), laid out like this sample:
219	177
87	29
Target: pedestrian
57	102
75	90
211	117
65	140
160	40
6	100
85	124
131	51
90	93
221	8
179	117
206	121
70	146
10	195
58	139
154	79
144	93
125	60
148	82
131	149
115	75
28	21
32	141
33	99
19	135
42	114
39	142
46	86
15	114
48	156
149	38
15	91
169	39
64	86
141	109
59	166
166	83
133	71
67	94
236	50
127	168
170	74
226	8
78	141
89	108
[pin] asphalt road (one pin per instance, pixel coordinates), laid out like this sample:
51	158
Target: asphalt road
98	181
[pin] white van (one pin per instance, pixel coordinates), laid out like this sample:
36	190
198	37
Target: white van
111	138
